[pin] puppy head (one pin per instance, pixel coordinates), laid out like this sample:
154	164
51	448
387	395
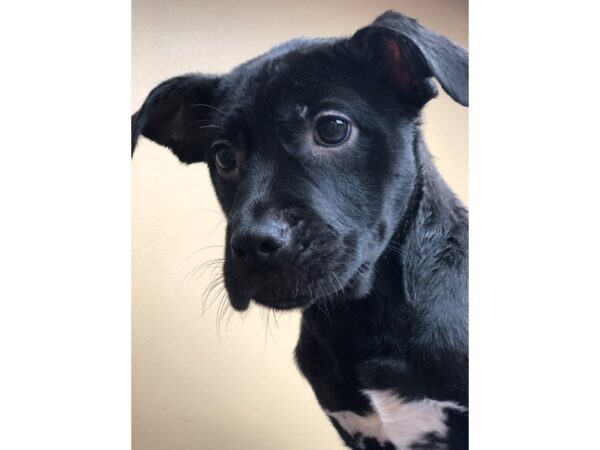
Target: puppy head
310	150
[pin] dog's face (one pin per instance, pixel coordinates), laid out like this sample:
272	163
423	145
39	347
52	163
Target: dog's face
310	150
310	160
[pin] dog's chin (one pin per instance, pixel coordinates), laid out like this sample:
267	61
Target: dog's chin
251	288
285	303
239	302
269	297
242	302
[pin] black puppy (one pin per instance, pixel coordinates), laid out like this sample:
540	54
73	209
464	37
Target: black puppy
334	206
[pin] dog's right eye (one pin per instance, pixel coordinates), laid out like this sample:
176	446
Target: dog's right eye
331	131
224	157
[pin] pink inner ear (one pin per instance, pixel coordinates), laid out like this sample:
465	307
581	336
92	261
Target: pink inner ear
399	70
392	50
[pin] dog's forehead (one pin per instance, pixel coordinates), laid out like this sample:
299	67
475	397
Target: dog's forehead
275	97
290	53
287	73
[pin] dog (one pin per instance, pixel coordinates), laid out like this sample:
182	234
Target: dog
334	207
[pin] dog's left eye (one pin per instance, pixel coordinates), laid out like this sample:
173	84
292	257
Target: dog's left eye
331	131
224	157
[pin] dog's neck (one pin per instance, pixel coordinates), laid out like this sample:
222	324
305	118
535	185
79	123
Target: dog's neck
421	268
432	234
411	211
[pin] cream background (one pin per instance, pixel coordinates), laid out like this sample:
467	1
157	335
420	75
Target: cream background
195	388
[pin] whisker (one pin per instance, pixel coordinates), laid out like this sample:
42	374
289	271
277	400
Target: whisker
265	342
215	228
212	211
209	126
275	318
194	122
202	268
207	106
202	249
338	281
221	310
217	282
231	313
269	325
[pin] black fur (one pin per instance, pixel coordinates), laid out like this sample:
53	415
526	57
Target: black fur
366	238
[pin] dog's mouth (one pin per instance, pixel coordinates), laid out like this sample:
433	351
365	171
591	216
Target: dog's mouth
321	274
285	303
265	297
268	296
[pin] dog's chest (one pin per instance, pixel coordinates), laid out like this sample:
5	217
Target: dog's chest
395	423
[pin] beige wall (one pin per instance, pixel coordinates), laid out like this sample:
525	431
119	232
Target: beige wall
195	388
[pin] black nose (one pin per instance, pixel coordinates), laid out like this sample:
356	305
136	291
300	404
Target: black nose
260	244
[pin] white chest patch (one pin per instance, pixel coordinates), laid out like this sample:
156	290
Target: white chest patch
395	420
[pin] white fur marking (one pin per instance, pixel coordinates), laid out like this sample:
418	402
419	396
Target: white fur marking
405	423
395	420
367	426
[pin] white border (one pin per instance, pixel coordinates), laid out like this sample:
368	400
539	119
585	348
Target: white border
65	226
65	244
534	171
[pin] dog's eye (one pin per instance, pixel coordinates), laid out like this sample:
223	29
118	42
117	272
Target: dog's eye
331	131
224	157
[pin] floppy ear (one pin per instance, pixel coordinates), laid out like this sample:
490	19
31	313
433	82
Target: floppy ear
177	115
407	55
